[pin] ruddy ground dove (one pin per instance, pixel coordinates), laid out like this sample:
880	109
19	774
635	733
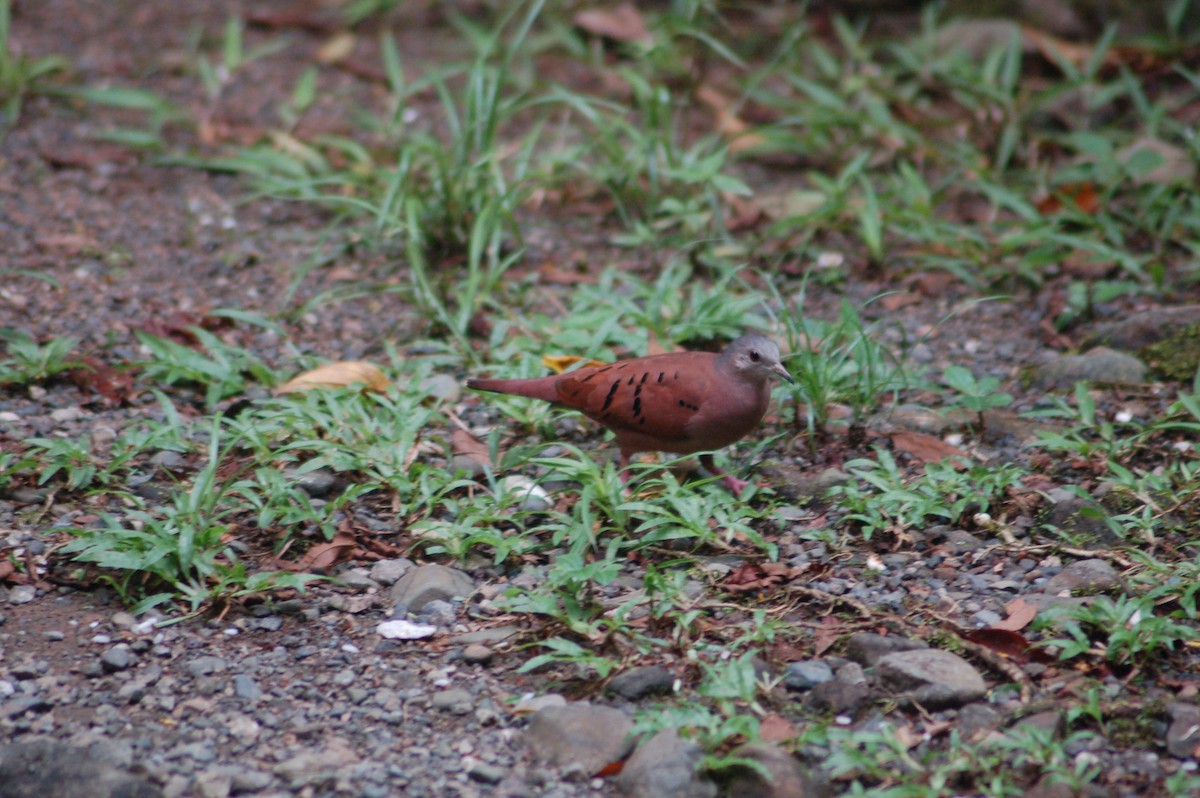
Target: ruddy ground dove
681	402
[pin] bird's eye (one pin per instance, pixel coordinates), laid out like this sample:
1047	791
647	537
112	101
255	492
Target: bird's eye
755	356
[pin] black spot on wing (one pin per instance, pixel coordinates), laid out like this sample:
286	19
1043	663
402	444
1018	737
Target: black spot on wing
612	392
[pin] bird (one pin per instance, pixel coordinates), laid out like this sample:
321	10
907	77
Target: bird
679	402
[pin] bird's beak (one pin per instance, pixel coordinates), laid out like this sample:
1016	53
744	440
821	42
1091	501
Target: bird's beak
782	372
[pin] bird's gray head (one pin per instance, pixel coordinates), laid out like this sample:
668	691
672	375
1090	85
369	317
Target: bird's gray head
754	357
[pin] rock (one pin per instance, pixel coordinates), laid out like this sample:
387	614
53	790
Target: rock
388	572
48	769
532	704
477	654
534	498
206	666
456	701
1139	330
428	583
1099	365
317	765
22	594
117	658
1084	576
581	735
914	418
638	683
838	697
665	767
1183	735
932	678
788	778
976	721
867	648
800	486
442	387
1080	517
245	687
1049	721
496	634
316	483
486	774
806	675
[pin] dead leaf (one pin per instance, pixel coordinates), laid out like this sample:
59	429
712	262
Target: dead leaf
68	244
776	729
114	387
611	769
925	448
464	444
337	48
895	301
557	275
337	375
560	363
1082	195
736	131
826	635
1020	614
7	569
324	556
1012	645
622	24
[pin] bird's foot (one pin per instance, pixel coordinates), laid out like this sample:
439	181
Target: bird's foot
733	484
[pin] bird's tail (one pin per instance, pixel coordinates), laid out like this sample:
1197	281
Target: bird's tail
540	388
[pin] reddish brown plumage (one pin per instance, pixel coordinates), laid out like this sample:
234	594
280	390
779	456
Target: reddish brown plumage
682	402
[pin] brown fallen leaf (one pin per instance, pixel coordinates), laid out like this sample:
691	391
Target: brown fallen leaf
898	300
323	556
114	387
827	634
1020	614
776	729
464	444
735	130
337	375
925	448
622	24
1008	644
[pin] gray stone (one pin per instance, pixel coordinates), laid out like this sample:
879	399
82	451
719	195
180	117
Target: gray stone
787	779
1144	328
245	687
477	654
117	658
867	648
638	683
429	583
1080	517
837	697
316	765
456	701
442	387
1099	365
665	767
1049	721
932	678
387	572
1183	735
581	735
915	418
22	594
48	769
316	483
976	721
206	666
1084	576
497	634
801	486
486	774
807	674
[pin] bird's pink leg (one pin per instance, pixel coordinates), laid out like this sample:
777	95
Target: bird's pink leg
731	483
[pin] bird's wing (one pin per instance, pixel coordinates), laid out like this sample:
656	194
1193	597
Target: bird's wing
655	396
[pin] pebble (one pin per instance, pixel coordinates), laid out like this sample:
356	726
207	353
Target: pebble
477	654
930	677
807	674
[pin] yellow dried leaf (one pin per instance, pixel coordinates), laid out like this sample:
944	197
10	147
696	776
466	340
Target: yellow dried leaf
336	48
560	363
337	375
